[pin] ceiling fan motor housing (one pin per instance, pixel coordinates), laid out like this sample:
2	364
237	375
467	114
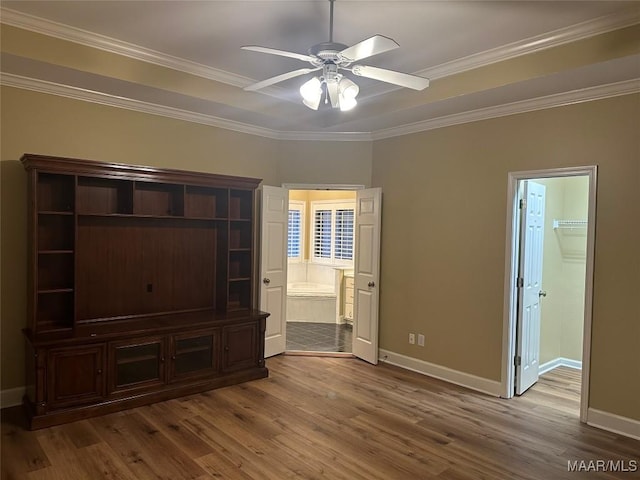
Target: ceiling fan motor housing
327	51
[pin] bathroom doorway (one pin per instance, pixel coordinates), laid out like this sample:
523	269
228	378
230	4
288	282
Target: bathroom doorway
343	237
320	261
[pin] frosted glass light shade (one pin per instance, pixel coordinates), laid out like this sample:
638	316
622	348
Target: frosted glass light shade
347	103
348	89
311	92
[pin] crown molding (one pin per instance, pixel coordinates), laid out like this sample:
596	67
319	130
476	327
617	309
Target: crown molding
555	38
550	101
112	45
76	93
327	136
533	44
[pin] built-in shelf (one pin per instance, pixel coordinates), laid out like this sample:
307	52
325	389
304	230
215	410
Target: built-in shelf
141	286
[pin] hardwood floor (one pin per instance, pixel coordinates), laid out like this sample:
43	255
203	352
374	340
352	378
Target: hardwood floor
333	418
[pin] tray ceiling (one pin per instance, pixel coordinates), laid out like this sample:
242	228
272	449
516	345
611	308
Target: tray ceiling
183	59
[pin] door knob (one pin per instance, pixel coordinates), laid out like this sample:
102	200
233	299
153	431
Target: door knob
371	284
266	281
542	293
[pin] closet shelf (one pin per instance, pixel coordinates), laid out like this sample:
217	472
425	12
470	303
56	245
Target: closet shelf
569	224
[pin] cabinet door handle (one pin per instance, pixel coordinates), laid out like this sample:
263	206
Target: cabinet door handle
226	348
173	357
99	372
162	359
371	284
266	281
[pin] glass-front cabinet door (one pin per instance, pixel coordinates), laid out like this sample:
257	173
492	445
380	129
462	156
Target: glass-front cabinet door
194	354
137	364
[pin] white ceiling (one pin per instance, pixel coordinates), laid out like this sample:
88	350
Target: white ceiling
442	40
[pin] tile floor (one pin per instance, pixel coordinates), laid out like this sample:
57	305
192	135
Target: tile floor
318	337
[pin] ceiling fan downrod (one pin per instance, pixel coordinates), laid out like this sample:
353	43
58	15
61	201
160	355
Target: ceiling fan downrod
331	21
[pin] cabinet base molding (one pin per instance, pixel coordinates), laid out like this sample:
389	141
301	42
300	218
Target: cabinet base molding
110	406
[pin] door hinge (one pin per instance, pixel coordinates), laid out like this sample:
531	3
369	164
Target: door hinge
523	203
517	360
520	282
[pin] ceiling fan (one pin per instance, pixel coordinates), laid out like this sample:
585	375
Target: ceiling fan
332	58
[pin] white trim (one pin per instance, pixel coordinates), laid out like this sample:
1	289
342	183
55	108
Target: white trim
559	362
333	205
11	397
325	136
510	292
479	384
561	99
119	47
529	45
523	106
321	186
76	93
614	423
534	44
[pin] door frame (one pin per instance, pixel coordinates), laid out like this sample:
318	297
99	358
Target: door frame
320	186
511	272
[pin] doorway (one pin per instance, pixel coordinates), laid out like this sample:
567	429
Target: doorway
320	263
549	276
330	249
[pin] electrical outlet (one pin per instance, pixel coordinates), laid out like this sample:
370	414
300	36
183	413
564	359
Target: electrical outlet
412	338
421	340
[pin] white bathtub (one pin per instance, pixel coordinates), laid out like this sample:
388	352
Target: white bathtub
308	289
311	302
313	293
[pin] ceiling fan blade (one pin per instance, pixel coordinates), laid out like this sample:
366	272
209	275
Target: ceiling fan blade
332	92
280	78
369	47
390	76
282	53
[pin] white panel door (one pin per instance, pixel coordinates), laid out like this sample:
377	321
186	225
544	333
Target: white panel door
530	288
367	274
273	267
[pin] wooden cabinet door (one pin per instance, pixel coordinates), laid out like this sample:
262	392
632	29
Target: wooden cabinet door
194	354
240	346
136	364
75	375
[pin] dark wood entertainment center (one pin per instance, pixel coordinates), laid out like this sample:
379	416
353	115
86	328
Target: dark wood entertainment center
141	286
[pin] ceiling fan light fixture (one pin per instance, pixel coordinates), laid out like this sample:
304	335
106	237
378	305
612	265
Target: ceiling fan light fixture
331	58
348	89
347	103
311	92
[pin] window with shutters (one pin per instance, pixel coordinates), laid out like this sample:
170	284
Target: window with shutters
333	232
295	237
343	234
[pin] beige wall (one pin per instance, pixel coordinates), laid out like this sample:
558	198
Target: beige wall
45	124
564	268
444	227
325	162
444	215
